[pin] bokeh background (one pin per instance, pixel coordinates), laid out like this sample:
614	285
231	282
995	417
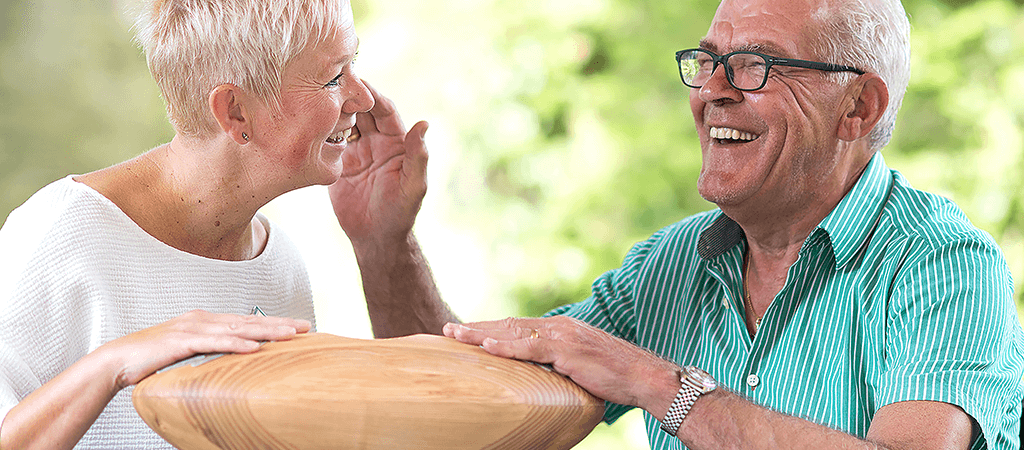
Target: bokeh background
560	133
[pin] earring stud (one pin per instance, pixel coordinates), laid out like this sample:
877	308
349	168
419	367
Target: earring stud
245	136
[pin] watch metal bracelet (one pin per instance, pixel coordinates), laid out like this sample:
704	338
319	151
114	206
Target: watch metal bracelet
694	382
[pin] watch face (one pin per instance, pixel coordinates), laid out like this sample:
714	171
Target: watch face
700	376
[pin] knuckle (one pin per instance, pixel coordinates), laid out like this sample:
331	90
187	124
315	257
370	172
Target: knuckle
573	321
184	325
238	323
561	325
194	314
560	321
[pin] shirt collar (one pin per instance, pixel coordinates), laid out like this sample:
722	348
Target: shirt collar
848	225
719	237
853	220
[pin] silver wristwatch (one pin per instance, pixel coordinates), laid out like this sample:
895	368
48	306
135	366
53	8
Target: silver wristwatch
695	383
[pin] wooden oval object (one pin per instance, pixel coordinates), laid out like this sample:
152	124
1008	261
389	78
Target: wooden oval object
320	391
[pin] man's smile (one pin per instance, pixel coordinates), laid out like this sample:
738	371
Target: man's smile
730	134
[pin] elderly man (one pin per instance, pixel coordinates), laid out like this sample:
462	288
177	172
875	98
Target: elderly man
825	304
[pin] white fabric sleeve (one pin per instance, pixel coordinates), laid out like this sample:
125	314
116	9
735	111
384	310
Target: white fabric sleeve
15	376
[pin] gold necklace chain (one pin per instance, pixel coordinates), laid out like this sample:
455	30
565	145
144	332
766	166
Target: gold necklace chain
747	302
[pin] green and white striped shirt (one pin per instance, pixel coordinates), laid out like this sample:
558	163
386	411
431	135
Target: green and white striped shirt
895	297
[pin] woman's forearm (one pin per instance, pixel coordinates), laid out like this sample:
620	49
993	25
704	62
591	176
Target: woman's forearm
58	414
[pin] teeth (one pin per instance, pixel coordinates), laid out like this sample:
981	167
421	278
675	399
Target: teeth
731	133
340	136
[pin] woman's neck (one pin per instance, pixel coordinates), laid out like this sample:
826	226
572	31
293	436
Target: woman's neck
198	200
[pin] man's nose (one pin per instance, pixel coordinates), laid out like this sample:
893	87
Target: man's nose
718	88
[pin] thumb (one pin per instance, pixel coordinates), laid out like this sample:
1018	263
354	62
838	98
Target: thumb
416	134
416	148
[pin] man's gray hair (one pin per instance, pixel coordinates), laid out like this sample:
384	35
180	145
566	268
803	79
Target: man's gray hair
193	46
872	35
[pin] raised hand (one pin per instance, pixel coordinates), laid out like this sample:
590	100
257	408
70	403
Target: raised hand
383	179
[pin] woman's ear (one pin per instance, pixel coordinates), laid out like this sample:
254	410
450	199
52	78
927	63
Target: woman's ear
227	109
870	99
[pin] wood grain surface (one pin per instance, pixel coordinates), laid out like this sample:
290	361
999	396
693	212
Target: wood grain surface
321	391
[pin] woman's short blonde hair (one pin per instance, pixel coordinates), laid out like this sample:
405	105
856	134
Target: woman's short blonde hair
193	46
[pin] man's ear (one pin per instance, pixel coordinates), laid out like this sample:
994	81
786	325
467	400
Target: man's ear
227	109
870	98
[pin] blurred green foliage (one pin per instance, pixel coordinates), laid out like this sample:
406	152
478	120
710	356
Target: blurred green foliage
573	135
611	154
75	94
604	150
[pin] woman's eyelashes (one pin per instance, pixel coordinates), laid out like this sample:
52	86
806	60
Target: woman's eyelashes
336	79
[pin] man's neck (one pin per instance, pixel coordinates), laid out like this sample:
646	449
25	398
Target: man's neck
775	233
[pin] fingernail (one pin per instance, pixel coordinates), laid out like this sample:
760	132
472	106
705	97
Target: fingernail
489	341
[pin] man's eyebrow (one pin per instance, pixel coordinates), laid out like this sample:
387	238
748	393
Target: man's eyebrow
767	48
708	45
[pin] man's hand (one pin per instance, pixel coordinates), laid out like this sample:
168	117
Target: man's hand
376	199
383	179
620	372
606	366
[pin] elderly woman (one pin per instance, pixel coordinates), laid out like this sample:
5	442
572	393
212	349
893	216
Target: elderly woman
112	275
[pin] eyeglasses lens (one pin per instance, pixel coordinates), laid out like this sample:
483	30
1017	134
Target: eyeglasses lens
695	68
747	70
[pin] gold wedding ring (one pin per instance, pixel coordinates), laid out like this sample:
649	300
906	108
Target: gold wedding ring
353	136
534	334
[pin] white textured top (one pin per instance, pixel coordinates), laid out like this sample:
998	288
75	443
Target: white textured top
76	272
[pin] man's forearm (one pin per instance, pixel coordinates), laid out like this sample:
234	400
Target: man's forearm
722	419
401	297
725	420
621	372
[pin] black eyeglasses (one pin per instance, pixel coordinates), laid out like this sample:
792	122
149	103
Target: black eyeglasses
746	71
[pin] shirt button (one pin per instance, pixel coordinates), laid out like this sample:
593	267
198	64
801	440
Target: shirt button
753	380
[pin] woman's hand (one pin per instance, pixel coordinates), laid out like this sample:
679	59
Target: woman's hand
57	415
384	177
141	353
